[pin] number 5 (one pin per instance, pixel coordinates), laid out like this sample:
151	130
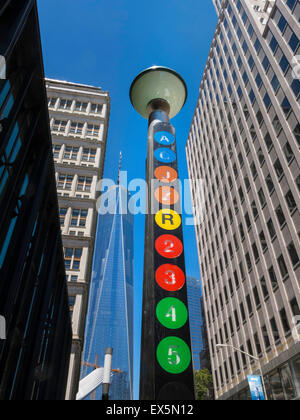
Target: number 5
173	352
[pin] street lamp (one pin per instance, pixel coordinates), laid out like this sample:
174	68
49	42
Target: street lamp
251	357
158	89
158	94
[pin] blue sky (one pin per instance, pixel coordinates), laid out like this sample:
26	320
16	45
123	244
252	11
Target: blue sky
107	43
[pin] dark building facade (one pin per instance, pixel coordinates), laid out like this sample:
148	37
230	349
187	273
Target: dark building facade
34	356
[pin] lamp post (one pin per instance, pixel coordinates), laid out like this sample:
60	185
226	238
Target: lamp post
158	94
107	373
251	357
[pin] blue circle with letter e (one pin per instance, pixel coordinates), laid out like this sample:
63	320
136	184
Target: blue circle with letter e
164	138
165	155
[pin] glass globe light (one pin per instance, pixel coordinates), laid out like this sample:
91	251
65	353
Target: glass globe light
159	84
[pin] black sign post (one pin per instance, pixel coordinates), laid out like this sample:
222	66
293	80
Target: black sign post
166	356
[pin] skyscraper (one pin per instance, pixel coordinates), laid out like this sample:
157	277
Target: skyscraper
79	117
244	142
194	300
110	312
34	356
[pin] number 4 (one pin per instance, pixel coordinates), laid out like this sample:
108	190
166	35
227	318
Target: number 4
171	313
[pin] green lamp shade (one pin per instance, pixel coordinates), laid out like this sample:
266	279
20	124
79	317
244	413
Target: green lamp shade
158	83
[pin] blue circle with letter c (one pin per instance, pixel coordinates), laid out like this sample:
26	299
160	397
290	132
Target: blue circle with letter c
165	138
165	155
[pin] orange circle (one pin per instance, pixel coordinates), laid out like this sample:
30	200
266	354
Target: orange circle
166	195
166	174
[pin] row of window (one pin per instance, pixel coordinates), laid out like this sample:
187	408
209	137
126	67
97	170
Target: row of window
66	182
76	128
73	153
75	106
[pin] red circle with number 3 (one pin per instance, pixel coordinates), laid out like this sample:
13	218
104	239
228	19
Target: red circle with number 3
169	246
170	277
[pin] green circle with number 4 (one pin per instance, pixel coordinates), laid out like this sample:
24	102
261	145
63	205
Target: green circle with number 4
172	313
173	355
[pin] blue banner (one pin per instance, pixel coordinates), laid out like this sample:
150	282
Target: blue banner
256	388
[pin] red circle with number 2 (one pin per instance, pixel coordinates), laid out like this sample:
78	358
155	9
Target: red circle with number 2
169	246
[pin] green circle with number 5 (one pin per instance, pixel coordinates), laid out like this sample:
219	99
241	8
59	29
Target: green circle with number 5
172	313
173	355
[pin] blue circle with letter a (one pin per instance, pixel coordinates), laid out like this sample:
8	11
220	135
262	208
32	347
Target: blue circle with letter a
165	155
164	138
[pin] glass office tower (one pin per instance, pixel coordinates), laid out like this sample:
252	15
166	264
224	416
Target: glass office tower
110	312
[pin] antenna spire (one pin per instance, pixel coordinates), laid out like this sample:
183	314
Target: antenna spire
120	167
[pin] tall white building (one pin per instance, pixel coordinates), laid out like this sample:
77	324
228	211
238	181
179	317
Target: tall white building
244	143
79	117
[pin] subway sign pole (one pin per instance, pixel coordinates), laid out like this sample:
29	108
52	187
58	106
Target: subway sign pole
158	94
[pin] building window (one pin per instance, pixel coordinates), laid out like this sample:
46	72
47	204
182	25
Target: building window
284	321
65	182
71	152
56	151
84	184
52	102
293	254
264	287
280	216
59	126
255	251
93	130
273	278
257	344
288	152
262	197
72	301
290	201
266	337
89	155
65	104
81	106
79	217
263	241
249	305
72	258
271	229
274	329
62	215
256	296
282	267
270	184
278	168
76	128
96	108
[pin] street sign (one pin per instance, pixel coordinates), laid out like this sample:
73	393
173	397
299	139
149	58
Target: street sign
171	363
256	388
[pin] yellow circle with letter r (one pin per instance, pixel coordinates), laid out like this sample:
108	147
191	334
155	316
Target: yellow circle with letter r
168	219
